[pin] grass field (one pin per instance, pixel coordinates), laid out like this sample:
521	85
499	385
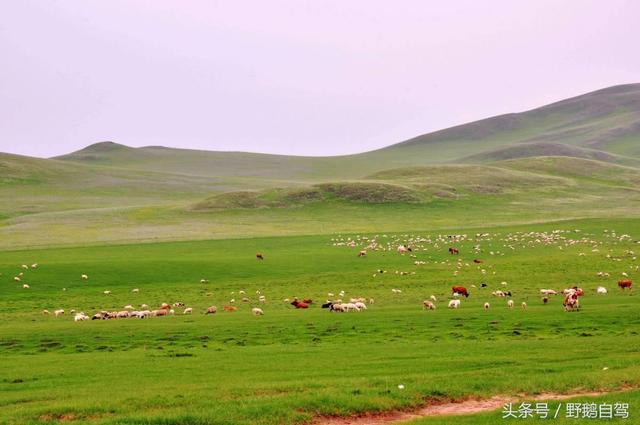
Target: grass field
290	365
547	198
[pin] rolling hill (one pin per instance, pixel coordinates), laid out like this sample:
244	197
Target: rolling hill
602	125
577	158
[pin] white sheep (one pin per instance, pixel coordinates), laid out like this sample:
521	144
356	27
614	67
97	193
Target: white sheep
135	290
25	286
188	310
601	290
428	305
45	312
128	307
58	312
510	303
80	317
487	306
350	306
84	277
523	305
107	292
257	311
360	305
454	304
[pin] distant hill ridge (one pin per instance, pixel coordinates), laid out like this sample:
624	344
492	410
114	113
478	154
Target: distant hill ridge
602	125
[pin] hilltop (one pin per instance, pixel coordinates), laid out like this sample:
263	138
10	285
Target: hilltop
602	125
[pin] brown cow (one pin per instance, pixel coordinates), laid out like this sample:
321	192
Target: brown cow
460	290
259	256
230	308
454	251
298	304
625	283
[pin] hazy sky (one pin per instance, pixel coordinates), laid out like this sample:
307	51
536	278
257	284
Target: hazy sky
296	77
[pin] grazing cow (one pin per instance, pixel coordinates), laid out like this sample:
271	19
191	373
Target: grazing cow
571	302
454	304
259	256
362	253
212	310
625	283
454	251
460	290
299	304
428	305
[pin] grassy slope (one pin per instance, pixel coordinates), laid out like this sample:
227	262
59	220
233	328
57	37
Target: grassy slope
288	365
440	196
606	120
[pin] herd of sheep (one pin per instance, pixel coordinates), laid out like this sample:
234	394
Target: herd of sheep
405	245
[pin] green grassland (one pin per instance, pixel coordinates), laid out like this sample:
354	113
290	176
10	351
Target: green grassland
550	195
93	208
290	365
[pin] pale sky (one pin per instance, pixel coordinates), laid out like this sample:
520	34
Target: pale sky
294	77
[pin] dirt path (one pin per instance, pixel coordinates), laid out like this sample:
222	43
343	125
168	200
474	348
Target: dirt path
462	407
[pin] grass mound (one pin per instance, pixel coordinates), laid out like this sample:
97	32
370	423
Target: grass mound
526	150
375	193
360	192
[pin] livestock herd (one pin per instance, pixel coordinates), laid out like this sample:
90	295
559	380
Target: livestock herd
411	246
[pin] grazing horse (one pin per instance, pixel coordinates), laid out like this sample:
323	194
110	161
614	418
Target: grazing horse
625	283
460	290
259	256
454	251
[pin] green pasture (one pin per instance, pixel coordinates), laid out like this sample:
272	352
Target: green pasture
289	365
